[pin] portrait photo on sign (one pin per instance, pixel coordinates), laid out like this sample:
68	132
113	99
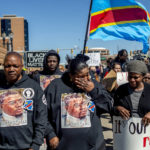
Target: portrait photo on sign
46	80
74	110
12	112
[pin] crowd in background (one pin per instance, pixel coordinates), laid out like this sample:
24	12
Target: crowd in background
64	104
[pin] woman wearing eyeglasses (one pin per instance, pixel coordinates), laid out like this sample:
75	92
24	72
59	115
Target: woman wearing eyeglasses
133	99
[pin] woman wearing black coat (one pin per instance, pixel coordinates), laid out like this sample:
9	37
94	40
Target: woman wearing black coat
74	102
133	99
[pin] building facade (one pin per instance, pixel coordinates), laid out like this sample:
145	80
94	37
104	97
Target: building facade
14	33
101	50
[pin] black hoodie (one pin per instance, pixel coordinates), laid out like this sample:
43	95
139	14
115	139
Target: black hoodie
74	133
28	131
46	73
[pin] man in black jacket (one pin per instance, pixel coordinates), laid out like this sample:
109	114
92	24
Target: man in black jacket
50	69
26	132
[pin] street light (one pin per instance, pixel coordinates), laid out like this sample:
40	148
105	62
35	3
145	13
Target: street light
11	35
4	36
9	42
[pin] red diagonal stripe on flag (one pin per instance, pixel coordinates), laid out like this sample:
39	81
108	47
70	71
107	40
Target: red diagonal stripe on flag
28	105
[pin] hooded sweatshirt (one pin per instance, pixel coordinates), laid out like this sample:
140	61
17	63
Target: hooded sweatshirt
76	130
26	130
46	75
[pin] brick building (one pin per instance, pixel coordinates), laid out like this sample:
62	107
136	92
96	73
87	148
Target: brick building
14	33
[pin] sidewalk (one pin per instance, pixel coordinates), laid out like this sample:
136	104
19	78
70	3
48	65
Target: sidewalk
107	131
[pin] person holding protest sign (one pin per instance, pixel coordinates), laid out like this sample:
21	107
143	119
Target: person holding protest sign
133	99
73	103
50	69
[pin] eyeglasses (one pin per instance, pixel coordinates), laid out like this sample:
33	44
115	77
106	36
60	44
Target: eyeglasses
134	77
14	66
14	102
76	105
147	78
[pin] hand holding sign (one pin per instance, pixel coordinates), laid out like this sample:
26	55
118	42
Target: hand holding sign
146	119
123	112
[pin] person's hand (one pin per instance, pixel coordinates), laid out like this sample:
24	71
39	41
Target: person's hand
54	142
86	85
123	112
30	149
146	119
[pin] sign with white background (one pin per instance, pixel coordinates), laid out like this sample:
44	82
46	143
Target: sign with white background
94	59
130	134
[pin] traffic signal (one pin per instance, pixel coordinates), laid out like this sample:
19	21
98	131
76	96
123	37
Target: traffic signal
86	49
71	51
130	53
57	50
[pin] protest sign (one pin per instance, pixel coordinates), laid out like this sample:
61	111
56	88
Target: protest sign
130	134
35	59
109	80
94	59
122	78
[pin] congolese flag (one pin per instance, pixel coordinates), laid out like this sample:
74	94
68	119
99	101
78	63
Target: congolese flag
120	19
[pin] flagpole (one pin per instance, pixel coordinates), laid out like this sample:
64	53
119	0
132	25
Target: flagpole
87	28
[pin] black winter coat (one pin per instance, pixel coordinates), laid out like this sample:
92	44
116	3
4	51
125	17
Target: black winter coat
82	138
122	98
27	132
